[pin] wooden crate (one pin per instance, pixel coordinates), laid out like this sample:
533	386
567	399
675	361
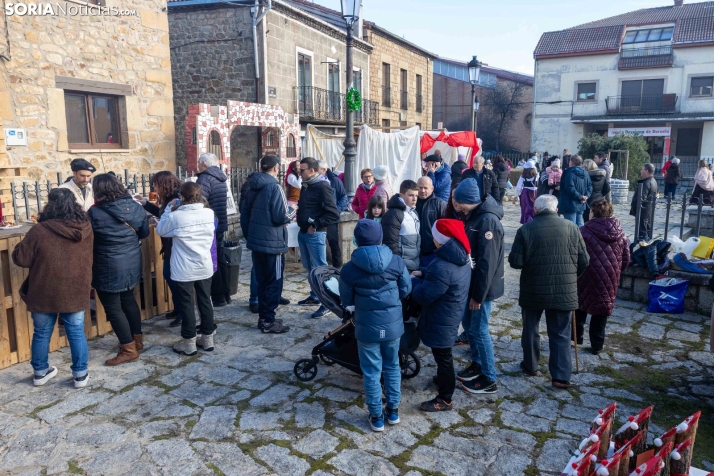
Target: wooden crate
16	327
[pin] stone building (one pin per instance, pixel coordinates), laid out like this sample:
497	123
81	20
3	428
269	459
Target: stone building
299	68
453	109
86	81
400	81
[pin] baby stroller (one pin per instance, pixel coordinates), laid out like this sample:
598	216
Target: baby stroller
339	346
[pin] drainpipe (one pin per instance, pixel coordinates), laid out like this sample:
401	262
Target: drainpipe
256	19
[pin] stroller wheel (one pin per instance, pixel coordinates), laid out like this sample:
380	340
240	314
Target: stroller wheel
305	369
326	360
410	365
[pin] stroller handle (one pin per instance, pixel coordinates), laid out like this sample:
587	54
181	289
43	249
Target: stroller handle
339	329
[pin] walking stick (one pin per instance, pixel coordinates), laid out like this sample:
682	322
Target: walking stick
575	340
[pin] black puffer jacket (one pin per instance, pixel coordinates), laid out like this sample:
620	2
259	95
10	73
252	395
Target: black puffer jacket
317	202
264	214
429	210
215	190
551	254
649	198
601	185
501	171
485	232
118	226
490	183
457	168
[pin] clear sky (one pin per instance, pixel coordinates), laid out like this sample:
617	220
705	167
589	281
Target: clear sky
502	33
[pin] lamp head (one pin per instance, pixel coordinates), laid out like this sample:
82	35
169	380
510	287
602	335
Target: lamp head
350	10
474	69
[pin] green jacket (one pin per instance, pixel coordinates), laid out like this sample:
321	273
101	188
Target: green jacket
551	254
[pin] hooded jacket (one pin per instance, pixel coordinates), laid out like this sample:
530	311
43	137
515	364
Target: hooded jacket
59	255
443	294
429	210
457	168
574	185
317	203
600	184
551	254
374	282
384	189
192	228
442	182
264	214
485	232
609	254
118	226
215	190
400	228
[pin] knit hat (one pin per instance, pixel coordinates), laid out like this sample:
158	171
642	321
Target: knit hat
467	192
380	172
434	158
461	157
445	229
529	164
368	232
555	163
80	164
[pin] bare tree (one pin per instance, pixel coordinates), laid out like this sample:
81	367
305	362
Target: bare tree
500	108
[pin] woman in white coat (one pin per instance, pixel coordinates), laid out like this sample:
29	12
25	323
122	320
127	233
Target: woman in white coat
192	226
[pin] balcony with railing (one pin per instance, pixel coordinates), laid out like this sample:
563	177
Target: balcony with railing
318	104
651	57
404	103
646	104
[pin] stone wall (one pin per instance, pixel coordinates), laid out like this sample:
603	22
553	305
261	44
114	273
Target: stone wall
121	50
212	63
399	57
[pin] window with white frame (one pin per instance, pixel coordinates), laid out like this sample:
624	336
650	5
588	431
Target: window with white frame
702	87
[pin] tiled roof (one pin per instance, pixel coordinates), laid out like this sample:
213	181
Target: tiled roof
333	17
694	23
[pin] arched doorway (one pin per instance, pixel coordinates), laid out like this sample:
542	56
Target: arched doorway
214	144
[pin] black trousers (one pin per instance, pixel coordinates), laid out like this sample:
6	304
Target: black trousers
445	378
123	314
597	328
184	293
333	239
559	333
670	189
269	269
501	194
219	284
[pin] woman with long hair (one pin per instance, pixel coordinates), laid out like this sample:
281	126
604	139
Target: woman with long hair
501	170
376	208
293	182
190	223
166	185
609	253
704	184
526	191
58	251
119	223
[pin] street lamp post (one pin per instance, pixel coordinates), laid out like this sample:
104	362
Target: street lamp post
477	103
474	71
350	13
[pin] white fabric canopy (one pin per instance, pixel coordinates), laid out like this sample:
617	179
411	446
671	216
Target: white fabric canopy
399	151
448	153
322	146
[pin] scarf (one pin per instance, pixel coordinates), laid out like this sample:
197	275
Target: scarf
367	188
312	180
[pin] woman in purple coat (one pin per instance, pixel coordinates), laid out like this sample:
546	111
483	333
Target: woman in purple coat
609	252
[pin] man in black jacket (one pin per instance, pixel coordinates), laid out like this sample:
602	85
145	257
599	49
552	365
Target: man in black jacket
213	184
316	211
483	227
429	208
485	178
551	254
333	236
457	168
648	203
604	164
264	214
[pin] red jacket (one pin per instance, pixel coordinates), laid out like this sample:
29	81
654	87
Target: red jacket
607	246
361	200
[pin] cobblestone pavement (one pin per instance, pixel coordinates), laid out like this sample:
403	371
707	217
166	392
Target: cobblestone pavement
240	411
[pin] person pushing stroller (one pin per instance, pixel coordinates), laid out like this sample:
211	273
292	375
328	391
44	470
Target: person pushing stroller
373	283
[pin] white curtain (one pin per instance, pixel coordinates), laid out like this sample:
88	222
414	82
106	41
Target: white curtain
322	146
398	150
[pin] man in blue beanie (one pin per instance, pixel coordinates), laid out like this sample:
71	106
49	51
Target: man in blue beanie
373	283
483	227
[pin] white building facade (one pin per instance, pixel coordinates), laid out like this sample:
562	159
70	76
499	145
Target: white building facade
650	71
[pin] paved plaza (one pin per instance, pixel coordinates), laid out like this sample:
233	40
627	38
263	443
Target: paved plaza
240	411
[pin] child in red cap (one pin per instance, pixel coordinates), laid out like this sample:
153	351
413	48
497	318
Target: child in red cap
443	293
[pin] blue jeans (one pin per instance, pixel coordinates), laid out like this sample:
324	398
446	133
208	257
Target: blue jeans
44	324
375	359
575	217
253	287
476	327
312	252
172	285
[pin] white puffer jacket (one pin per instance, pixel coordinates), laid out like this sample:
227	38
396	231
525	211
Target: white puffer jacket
192	228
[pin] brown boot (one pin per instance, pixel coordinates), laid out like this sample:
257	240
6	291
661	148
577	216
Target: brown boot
127	353
139	342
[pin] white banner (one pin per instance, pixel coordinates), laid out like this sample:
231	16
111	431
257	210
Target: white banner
643	131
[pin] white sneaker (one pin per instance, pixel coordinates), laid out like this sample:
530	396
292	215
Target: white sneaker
40	381
81	382
205	342
186	347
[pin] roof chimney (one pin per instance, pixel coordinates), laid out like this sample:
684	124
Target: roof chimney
678	3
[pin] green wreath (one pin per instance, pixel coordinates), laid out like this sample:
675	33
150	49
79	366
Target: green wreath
354	100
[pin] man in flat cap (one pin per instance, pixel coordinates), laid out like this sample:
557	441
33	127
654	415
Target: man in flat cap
79	184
